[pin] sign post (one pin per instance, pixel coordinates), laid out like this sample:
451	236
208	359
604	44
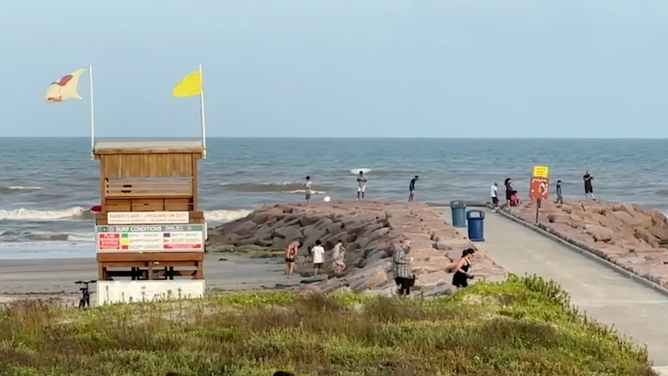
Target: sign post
539	186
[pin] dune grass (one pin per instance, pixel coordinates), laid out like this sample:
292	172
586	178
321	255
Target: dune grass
524	326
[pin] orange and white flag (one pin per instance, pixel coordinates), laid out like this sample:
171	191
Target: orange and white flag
65	88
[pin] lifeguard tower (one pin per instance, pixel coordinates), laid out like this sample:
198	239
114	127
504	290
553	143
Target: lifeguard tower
150	233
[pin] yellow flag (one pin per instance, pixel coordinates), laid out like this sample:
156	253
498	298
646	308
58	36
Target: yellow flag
190	85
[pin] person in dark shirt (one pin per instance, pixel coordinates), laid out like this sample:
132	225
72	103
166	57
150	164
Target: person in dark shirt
560	199
589	188
411	188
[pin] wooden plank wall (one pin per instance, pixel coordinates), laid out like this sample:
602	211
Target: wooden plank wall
147	165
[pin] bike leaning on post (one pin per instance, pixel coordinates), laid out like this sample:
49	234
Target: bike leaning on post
84	302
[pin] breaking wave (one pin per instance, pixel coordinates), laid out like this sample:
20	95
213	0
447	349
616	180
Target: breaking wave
17	236
75	212
267	187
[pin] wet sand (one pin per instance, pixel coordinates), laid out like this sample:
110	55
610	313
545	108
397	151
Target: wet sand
55	277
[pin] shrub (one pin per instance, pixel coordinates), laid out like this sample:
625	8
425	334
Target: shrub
524	326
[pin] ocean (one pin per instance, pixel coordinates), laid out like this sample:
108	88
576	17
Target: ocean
47	185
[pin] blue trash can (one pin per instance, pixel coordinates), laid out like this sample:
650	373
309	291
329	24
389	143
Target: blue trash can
458	209
476	221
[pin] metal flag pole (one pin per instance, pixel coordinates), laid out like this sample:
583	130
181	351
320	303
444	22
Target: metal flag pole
92	113
203	117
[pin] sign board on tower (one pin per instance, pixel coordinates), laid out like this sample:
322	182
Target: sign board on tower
150	238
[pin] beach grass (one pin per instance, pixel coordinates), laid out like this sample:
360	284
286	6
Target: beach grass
524	326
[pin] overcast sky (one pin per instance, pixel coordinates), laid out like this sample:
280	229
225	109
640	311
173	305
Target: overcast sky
344	68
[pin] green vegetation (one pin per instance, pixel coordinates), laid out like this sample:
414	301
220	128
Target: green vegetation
521	327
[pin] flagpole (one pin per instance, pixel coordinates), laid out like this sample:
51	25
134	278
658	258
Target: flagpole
92	113
203	117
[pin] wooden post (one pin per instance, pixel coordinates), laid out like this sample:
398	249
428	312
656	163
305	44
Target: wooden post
538	209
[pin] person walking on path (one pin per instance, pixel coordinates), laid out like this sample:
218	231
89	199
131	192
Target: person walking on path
361	185
494	193
403	273
560	198
462	272
411	188
318	253
589	187
509	190
291	257
308	188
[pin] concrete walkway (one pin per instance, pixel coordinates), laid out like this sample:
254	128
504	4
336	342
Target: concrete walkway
632	308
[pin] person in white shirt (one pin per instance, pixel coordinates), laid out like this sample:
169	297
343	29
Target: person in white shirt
361	185
494	192
308	188
318	253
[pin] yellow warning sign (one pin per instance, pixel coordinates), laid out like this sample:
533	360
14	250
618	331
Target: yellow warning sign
540	171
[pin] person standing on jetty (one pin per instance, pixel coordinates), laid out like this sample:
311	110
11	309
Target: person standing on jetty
318	253
509	190
308	188
411	188
403	273
291	257
361	185
560	198
462	275
494	192
589	187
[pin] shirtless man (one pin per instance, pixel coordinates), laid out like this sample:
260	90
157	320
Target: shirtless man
291	257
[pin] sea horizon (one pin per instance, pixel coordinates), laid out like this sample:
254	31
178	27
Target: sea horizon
49	183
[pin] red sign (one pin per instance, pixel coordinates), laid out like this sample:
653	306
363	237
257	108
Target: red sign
109	241
539	188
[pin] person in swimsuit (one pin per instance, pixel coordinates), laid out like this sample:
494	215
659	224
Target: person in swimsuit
338	257
291	257
462	275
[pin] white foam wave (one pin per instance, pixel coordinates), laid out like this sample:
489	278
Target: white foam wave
41	215
302	191
22	188
225	215
356	171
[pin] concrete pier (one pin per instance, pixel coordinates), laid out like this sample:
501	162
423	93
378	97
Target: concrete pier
631	307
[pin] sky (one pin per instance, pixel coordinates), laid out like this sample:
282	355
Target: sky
344	68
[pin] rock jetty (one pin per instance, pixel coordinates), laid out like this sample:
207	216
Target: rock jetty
370	231
625	234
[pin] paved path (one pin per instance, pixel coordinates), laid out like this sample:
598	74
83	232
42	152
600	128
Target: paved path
632	308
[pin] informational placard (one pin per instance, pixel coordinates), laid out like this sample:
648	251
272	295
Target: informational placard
541	172
150	238
162	217
539	188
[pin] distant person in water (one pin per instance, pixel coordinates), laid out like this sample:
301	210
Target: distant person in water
508	183
308	188
589	187
361	185
291	257
494	193
560	198
411	188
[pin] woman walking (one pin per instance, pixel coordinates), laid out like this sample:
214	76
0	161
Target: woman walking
462	275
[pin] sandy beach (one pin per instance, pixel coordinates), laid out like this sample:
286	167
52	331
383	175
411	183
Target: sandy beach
55	278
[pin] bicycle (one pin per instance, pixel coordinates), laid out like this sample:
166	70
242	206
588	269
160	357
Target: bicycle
85	293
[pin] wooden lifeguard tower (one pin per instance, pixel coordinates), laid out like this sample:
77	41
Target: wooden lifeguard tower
150	226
